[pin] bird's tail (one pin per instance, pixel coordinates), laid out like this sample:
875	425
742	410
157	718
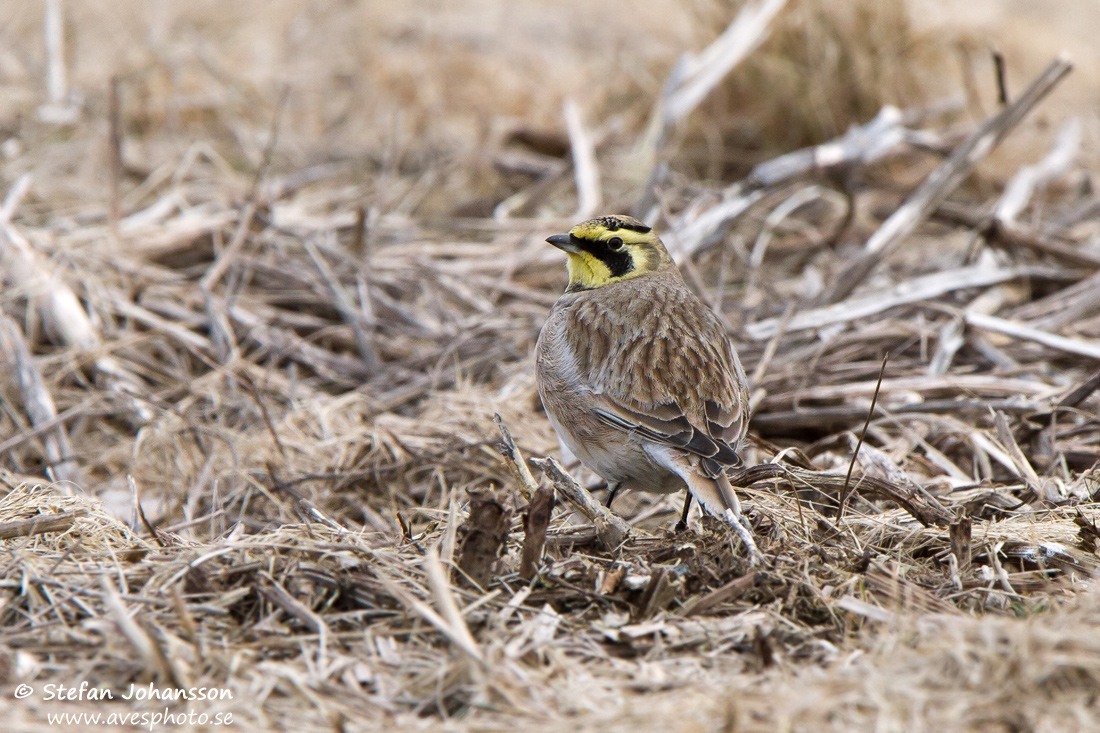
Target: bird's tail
713	491
717	497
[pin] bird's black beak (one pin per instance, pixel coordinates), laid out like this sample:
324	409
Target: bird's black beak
564	242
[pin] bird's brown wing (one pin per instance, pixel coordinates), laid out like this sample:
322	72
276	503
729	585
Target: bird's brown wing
661	367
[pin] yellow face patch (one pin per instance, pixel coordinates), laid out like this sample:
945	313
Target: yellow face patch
588	271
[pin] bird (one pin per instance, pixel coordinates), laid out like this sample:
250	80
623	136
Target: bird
638	377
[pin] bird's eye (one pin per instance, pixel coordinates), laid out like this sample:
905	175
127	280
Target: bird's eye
615	243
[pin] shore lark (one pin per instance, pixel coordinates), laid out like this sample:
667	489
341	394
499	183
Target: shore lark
637	376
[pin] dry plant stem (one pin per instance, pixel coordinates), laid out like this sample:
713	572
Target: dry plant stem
657	595
484	534
216	311
923	510
54	28
697	231
776	216
13	198
340	368
999	71
871	459
943	181
960	534
352	316
126	308
910	291
149	651
278	596
1081	392
269	146
73	412
1064	308
611	530
773	344
1002	576
445	601
186	618
958	384
1023	467
952	335
525	481
1021	331
535	521
460	637
700	74
359	235
1055	164
775	422
139	512
869	611
586	172
60	309
40	525
612	579
884	135
728	592
245	380
225	259
950	341
525	199
1016	236
844	493
695	76
450	533
38	402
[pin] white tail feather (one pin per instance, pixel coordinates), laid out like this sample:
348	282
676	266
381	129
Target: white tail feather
715	495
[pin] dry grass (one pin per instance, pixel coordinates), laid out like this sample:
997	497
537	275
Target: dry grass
276	394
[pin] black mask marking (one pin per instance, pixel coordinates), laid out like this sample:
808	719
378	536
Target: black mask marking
619	263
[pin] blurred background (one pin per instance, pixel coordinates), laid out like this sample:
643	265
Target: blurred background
447	87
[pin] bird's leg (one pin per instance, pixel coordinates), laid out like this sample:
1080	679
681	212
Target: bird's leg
612	492
683	523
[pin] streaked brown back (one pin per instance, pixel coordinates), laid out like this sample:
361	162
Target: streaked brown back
662	362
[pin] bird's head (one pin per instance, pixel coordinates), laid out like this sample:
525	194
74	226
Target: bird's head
608	249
